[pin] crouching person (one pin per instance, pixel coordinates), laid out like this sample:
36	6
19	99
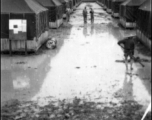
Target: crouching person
68	14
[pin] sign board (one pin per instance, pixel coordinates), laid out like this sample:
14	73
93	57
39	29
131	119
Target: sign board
17	29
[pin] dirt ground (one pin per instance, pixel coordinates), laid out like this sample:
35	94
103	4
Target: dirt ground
79	80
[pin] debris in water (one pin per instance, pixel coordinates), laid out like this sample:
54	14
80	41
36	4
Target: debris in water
21	62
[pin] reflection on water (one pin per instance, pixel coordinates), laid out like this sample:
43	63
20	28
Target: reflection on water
21	82
128	87
92	29
85	30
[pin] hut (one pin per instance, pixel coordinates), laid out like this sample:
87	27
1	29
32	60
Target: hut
65	5
74	2
71	3
128	12
99	2
115	6
109	6
144	23
55	12
106	4
24	25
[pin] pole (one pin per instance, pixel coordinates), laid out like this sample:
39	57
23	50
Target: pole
25	47
146	112
10	47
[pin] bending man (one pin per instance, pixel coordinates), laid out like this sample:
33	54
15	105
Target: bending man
85	15
128	45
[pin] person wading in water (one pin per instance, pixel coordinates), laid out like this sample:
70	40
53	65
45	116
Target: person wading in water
92	15
68	14
85	15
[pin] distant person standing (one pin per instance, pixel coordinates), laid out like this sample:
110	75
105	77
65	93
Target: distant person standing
92	15
68	14
85	15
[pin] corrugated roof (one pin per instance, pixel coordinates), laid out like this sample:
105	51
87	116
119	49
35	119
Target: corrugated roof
20	6
146	6
46	3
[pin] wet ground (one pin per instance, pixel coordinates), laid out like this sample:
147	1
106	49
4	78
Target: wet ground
83	66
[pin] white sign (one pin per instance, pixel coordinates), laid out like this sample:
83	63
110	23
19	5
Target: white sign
17	25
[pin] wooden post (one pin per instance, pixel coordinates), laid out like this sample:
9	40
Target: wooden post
10	47
25	47
10	43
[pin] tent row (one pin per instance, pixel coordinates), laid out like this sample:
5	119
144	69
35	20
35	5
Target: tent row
25	23
132	14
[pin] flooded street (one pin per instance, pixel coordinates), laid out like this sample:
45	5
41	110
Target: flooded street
83	66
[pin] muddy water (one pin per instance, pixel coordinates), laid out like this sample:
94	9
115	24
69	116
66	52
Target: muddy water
82	66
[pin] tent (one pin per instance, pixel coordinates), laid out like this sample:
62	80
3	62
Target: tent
122	8
115	6
109	6
65	4
106	3
71	4
144	23
55	12
24	25
100	2
128	12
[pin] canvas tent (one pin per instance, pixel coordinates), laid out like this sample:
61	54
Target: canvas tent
115	6
65	4
109	6
144	23
128	12
24	25
100	2
55	12
71	4
106	3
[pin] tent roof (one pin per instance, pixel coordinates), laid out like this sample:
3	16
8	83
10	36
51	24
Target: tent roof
57	3
146	6
125	2
136	2
63	1
36	7
21	6
48	3
118	0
